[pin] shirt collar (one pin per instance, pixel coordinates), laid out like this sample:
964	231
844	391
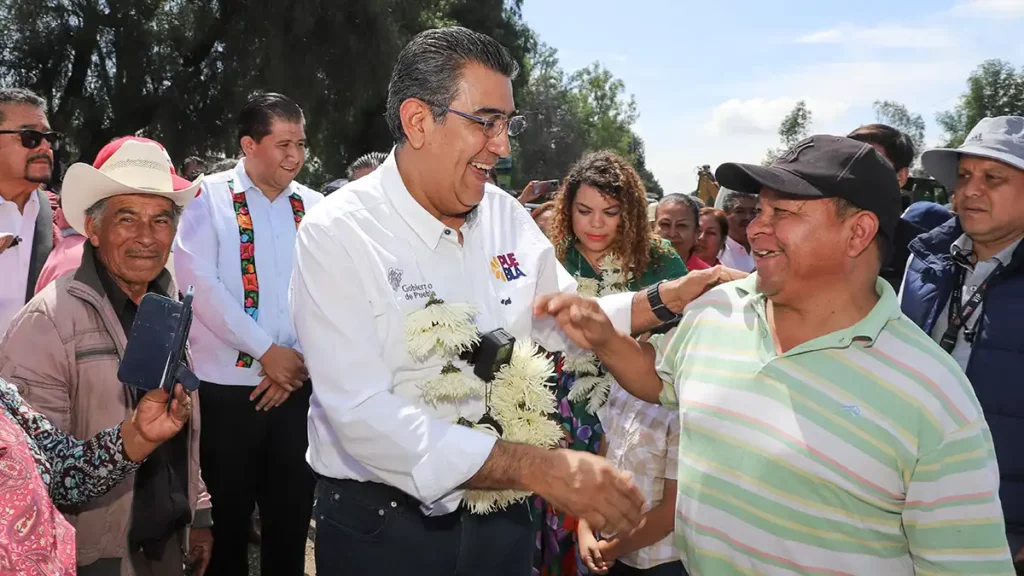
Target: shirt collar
428	228
734	245
965	245
245	183
33	200
868	328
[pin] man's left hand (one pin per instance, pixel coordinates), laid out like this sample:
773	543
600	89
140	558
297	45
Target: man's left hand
6	239
200	550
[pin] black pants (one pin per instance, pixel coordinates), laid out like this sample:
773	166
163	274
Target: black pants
667	569
249	457
369	529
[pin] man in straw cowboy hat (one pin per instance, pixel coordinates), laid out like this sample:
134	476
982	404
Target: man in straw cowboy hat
64	347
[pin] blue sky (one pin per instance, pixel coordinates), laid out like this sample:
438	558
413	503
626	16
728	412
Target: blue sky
713	78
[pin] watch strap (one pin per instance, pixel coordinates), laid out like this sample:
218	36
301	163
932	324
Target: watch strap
661	312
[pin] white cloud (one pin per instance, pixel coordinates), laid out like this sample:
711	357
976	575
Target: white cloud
990	8
753	116
884	36
839	95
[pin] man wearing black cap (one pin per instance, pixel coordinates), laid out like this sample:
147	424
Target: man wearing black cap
824	432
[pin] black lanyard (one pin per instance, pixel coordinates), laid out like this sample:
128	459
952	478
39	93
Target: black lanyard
960	312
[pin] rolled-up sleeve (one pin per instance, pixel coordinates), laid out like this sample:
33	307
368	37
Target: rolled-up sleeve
353	412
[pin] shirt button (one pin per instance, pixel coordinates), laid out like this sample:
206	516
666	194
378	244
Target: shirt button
972	288
447	232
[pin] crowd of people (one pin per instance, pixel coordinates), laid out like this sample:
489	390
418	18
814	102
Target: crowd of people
805	378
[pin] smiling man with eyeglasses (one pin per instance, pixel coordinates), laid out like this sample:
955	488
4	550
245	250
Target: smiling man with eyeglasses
394	465
26	163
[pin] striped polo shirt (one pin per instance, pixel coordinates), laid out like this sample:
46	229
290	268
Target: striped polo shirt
860	452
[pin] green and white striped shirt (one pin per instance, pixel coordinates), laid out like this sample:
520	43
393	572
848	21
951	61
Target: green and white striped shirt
860	452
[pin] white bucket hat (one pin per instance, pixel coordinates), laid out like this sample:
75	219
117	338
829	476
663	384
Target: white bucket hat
127	165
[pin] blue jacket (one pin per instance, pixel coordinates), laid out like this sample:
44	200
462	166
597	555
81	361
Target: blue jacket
996	365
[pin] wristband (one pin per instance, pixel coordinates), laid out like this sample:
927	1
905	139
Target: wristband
661	312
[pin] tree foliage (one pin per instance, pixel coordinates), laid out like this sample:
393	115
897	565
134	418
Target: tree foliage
896	115
995	88
570	115
179	70
793	128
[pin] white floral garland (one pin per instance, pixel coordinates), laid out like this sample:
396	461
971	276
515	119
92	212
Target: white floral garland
593	383
521	397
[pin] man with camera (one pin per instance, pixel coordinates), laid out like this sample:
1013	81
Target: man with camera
421	255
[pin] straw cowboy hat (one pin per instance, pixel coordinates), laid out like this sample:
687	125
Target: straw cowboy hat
127	165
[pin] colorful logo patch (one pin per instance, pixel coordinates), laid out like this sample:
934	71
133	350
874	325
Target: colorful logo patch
506	268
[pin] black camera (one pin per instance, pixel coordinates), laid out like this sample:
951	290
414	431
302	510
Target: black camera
491	354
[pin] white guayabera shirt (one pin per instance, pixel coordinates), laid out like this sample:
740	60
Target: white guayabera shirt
368	256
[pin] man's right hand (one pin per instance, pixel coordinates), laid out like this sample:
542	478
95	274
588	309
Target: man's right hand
589	487
285	366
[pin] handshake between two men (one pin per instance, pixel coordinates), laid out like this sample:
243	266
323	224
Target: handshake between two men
580	483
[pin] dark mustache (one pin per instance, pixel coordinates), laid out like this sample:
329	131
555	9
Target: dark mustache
35	157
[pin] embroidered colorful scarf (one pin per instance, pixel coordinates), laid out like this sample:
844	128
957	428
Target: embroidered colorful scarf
247	246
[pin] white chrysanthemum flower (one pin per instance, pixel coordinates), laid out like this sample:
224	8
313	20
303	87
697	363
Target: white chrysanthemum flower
533	429
526	365
487	501
588	287
582	387
599	395
585	364
451	386
447	329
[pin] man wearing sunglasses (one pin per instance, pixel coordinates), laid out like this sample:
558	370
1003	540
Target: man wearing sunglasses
27	148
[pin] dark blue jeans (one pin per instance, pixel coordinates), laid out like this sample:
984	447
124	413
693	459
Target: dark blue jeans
667	569
369	529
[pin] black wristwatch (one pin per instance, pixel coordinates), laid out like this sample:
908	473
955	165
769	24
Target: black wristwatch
661	312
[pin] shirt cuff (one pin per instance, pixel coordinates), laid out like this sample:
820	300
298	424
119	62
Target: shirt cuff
451	462
261	343
619	308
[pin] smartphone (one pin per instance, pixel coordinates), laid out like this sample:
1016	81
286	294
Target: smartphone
547	186
155	351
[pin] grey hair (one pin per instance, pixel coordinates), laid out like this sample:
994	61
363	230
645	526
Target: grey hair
430	68
686	200
19	96
95	212
366	161
733	198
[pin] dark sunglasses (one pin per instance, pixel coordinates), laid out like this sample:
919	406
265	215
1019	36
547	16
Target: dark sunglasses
33	138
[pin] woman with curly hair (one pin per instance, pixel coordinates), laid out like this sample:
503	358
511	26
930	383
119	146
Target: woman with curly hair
601	235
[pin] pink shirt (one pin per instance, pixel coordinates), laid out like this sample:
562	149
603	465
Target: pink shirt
66	255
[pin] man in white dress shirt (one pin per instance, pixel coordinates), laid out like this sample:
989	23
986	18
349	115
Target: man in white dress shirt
236	245
740	209
26	221
393	468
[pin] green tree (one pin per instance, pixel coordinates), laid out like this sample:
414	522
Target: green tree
793	128
995	88
896	115
571	115
180	71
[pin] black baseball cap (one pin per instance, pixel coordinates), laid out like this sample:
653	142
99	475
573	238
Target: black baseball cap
826	167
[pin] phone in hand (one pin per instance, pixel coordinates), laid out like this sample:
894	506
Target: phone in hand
155	355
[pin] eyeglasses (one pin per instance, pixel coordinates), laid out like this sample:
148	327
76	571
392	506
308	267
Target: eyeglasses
33	138
495	126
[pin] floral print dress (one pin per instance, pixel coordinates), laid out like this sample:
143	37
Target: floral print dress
556	531
41	467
